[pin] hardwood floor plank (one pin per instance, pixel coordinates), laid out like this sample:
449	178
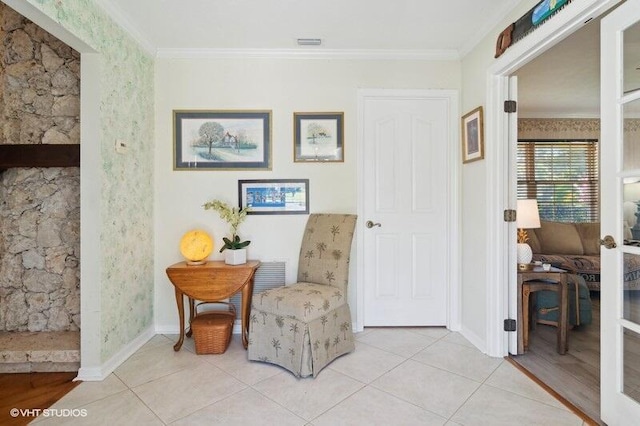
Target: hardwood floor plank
28	391
574	376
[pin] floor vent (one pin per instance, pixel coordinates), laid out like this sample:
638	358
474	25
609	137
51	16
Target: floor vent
269	275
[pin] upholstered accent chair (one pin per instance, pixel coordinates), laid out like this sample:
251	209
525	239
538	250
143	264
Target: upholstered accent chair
304	326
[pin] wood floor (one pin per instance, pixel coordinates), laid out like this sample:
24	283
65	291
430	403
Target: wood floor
31	391
574	376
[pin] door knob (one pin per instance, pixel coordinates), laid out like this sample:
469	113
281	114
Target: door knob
370	224
608	242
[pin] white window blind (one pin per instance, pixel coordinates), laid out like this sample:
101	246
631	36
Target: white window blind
563	175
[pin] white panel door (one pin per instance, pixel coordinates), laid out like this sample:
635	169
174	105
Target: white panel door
620	177
406	146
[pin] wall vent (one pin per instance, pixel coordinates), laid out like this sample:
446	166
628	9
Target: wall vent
269	275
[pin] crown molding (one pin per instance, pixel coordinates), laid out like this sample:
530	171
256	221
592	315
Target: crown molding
120	18
313	53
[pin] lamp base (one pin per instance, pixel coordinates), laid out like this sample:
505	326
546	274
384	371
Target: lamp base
525	266
524	254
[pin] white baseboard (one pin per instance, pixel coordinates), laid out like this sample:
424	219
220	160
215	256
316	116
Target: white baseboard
167	329
94	374
478	342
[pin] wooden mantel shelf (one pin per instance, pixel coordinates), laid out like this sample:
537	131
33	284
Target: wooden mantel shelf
67	155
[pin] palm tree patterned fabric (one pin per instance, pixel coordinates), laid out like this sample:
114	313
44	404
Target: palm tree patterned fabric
304	326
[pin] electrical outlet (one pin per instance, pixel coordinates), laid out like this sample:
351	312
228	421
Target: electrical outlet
121	147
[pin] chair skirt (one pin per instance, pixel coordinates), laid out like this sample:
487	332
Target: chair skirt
301	337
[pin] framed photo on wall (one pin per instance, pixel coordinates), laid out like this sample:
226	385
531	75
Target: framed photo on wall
472	136
318	136
274	196
222	140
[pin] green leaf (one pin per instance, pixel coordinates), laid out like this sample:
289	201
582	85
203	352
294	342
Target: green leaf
243	244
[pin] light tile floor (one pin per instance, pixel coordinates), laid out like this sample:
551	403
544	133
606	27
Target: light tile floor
397	376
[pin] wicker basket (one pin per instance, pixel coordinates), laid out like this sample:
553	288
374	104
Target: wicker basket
212	329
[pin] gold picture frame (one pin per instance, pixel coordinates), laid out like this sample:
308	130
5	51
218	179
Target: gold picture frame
472	136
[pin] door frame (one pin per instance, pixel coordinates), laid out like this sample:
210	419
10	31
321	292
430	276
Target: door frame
501	188
91	365
616	406
453	183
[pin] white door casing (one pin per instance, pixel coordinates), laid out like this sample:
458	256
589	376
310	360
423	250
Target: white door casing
512	125
501	242
406	184
619	333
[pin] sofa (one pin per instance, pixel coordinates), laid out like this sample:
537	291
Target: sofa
576	248
571	246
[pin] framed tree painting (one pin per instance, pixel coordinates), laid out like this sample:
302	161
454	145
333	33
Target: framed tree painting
222	140
318	136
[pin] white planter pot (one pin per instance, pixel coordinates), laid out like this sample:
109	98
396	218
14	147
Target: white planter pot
235	257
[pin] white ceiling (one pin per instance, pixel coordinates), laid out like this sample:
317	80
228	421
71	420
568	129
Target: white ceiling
563	82
399	25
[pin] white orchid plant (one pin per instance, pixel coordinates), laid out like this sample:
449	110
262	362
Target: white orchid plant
234	217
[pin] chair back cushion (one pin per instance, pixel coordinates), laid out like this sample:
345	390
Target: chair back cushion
326	248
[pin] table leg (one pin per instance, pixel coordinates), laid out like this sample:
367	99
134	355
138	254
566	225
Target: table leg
247	293
519	319
563	323
526	291
191	315
180	302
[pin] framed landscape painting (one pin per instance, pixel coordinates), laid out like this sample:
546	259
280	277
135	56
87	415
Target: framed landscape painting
274	196
318	136
222	140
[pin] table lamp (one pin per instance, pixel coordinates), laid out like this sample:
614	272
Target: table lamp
527	217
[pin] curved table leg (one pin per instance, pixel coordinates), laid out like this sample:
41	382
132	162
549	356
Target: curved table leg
180	302
191	315
247	293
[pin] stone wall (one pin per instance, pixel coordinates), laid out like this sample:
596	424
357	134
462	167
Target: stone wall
39	207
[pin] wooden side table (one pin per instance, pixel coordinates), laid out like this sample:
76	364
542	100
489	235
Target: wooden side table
538	279
212	282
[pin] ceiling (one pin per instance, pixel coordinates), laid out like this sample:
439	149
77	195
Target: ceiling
565	80
562	82
423	25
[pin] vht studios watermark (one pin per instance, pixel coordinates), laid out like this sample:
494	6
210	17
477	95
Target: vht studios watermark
48	412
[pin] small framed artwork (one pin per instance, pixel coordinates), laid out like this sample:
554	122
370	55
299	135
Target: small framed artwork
472	136
222	140
274	196
318	136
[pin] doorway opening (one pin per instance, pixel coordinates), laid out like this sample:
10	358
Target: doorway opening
558	29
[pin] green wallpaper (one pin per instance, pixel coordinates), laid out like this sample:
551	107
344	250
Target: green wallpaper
126	113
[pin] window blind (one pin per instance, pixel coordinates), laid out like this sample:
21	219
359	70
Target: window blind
563	175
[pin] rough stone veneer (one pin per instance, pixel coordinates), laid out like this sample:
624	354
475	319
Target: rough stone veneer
39	207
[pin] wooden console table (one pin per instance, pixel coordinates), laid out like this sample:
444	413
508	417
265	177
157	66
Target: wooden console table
212	282
538	279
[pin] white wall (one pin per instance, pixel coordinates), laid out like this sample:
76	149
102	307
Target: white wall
484	280
284	86
474	188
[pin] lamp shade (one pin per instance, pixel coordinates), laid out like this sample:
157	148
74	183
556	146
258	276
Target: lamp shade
527	216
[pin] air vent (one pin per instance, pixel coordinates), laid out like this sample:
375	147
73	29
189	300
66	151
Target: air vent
309	41
269	275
